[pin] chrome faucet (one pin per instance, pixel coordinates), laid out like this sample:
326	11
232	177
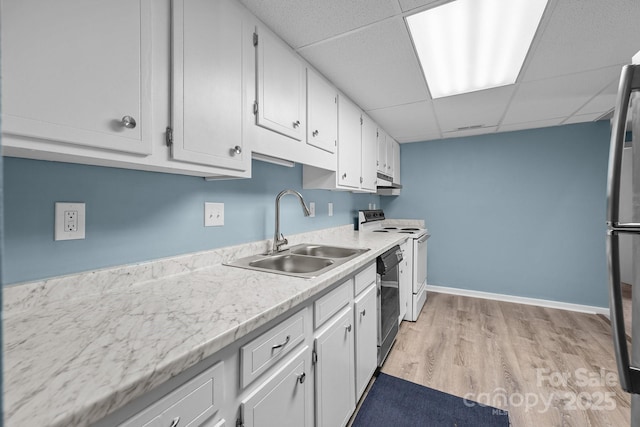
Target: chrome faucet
278	238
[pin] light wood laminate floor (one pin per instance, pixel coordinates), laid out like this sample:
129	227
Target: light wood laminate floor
547	367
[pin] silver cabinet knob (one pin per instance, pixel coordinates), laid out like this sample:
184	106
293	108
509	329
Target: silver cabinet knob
236	150
174	422
363	312
361	180
302	377
128	122
315	133
348	328
344	175
296	124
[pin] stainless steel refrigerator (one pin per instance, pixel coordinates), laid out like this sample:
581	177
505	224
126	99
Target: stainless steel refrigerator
623	234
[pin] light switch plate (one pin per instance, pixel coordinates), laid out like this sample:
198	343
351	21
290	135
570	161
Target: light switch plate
213	214
69	221
312	209
330	209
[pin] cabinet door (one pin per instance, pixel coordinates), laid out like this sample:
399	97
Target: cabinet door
382	152
366	346
390	159
335	398
207	83
322	113
282	400
368	157
78	72
349	143
396	162
281	87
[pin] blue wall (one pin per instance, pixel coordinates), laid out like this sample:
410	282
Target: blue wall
518	213
136	216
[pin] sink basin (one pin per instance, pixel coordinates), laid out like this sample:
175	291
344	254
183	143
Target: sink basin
303	260
292	263
324	251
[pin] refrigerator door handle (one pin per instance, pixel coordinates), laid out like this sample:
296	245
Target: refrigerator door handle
629	375
629	81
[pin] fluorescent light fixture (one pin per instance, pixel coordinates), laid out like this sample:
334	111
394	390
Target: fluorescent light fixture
469	45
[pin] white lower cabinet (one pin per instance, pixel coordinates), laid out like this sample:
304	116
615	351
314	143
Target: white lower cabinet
405	278
366	342
281	400
335	400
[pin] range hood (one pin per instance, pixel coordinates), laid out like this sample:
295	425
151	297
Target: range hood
386	186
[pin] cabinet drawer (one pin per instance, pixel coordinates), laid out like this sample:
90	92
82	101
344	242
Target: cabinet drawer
365	278
331	303
192	403
260	354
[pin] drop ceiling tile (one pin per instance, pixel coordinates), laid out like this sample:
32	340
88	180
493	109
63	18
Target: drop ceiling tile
302	22
375	66
585	35
409	122
470	132
582	118
407	5
557	97
484	108
531	125
420	138
602	102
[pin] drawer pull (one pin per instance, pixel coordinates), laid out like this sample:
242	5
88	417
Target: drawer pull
128	122
348	328
302	377
286	341
175	422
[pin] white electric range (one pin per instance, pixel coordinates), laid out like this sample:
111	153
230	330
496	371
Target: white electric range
374	221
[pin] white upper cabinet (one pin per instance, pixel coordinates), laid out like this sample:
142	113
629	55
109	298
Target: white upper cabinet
349	143
207	83
322	113
396	162
368	171
78	72
381	161
281	87
390	155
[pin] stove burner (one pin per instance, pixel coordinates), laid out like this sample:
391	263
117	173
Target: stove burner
410	229
390	228
380	231
406	232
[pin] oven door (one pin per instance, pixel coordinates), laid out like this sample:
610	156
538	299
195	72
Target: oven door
419	263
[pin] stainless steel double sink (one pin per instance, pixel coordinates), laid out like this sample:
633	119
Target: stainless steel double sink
303	260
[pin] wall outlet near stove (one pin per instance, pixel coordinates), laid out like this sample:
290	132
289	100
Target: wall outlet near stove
213	214
69	221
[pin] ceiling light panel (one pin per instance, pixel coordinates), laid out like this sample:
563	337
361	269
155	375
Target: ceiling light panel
469	45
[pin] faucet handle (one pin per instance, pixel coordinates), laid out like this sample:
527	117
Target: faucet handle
283	239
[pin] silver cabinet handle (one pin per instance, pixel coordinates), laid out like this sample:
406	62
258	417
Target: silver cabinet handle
315	133
302	377
236	150
344	175
363	312
296	124
361	180
128	122
286	341
174	422
348	328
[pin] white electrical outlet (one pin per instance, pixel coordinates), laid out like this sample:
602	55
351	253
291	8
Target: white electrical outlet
312	209
69	221
330	209
213	214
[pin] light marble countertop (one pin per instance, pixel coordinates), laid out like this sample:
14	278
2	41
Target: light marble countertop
77	348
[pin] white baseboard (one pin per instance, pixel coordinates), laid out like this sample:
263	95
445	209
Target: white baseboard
521	300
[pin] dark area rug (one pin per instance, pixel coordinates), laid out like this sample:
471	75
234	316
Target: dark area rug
394	402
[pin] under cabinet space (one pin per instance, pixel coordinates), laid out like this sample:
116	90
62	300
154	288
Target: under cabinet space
208	38
263	352
56	88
